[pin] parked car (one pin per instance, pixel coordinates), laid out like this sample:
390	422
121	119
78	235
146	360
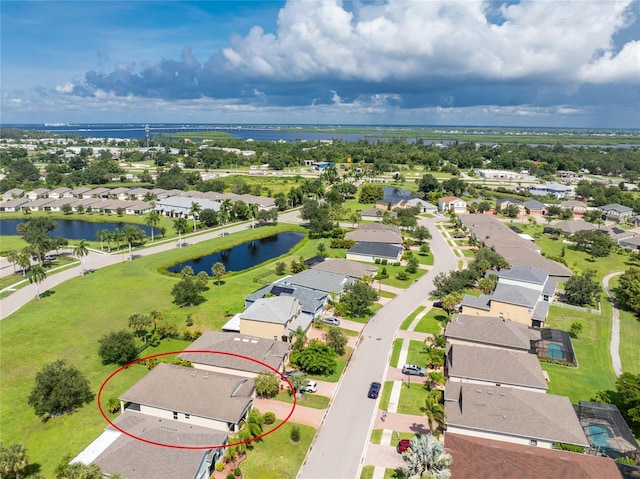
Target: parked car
288	374
403	445
413	370
311	387
332	321
374	390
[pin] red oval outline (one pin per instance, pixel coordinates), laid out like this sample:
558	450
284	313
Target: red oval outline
193	447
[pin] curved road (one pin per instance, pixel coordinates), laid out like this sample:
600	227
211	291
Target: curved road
614	346
341	441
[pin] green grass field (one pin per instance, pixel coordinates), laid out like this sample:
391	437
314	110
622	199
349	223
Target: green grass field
409	319
417	353
412	397
395	352
308	399
431	322
594	372
276	455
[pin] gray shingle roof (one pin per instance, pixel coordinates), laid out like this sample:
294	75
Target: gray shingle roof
518	295
346	267
135	459
377	235
318	280
526	274
310	299
378	250
501	366
192	391
616	207
513	411
490	330
478	302
541	311
533	205
267	351
277	310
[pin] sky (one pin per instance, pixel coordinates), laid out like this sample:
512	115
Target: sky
542	63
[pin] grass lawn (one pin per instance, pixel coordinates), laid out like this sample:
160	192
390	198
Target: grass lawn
308	399
392	271
386	294
412	397
395	353
367	472
276	455
430	322
629	334
468	253
342	363
425	258
325	328
409	319
386	395
366	315
594	372
417	353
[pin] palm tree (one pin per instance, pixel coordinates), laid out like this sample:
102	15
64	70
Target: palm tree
139	323
434	411
102	235
195	211
117	236
13	257
155	316
81	251
426	457
253	210
13	459
132	234
151	220
24	261
181	226
224	214
438	341
298	338
37	275
218	270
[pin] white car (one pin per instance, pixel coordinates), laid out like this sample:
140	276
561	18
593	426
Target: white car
311	387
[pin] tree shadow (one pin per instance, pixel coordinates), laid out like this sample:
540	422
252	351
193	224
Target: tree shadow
419	428
47	293
32	469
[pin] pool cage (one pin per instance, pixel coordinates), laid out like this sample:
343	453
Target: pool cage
607	430
554	345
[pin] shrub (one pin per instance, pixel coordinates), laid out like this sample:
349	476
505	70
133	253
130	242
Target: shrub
338	243
295	434
191	335
113	405
152	363
237	472
281	268
561	446
376	261
219	466
189	320
402	276
231	476
269	418
384	261
167	330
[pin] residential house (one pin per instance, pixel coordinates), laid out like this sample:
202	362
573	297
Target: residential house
14	204
12	193
39	204
551	188
491	233
503	203
481	458
191	396
422	205
56	205
312	301
535	208
632	243
97	193
616	212
229	352
499	175
60	193
120	193
138	207
273	318
453	204
376	214
570	227
80	191
37	193
180	206
490	332
376	233
494	367
139	194
370	252
511	415
318	280
345	267
578	208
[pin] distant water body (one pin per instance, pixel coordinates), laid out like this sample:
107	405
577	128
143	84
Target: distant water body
272	133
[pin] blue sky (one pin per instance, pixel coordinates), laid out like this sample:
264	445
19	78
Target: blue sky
422	62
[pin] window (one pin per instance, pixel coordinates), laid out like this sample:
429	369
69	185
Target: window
175	415
187	416
533	442
501	315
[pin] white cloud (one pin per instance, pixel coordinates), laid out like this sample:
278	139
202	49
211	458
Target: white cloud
623	67
416	39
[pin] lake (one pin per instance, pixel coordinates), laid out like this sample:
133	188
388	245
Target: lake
245	255
73	229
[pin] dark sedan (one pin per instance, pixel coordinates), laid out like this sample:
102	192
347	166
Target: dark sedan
374	390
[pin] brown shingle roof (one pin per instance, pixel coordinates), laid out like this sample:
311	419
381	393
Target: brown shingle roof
513	412
346	267
267	351
477	458
188	390
490	330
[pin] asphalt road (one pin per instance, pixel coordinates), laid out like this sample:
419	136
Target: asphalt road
340	444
